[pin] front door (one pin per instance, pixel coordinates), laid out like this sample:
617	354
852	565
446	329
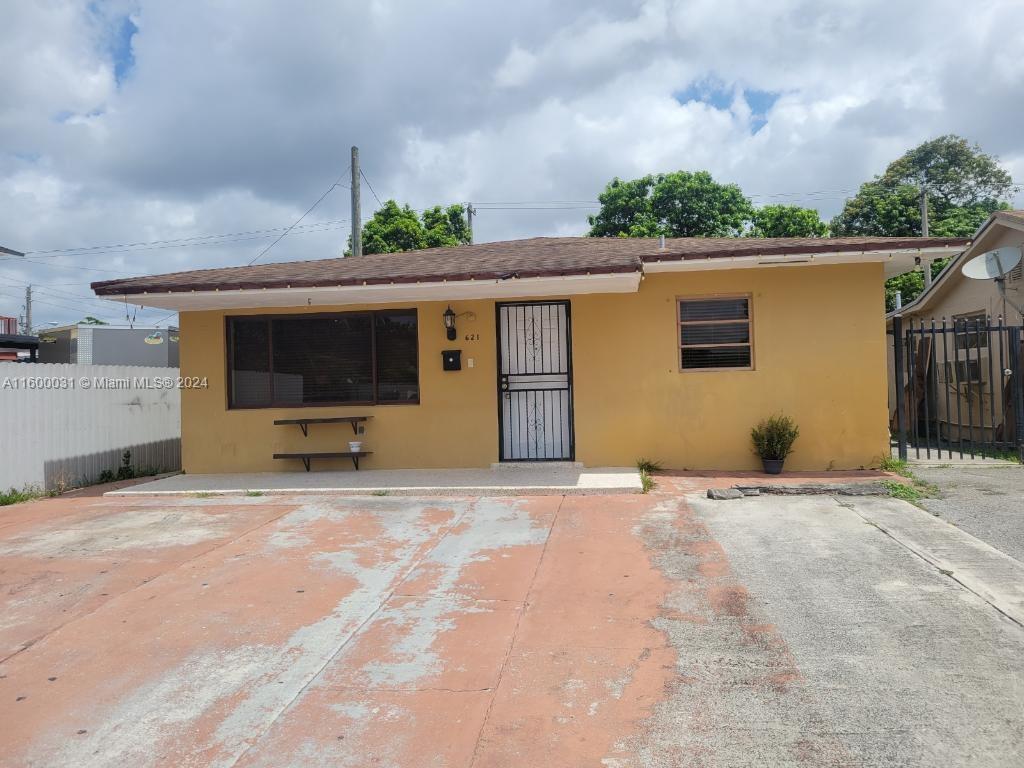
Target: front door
535	382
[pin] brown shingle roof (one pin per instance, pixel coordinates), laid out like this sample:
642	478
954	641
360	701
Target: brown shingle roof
534	257
1017	216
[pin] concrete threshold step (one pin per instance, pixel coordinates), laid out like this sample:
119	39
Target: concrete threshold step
535	481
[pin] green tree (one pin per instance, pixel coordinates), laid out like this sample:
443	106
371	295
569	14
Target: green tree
395	227
787	221
964	185
90	320
679	204
446	227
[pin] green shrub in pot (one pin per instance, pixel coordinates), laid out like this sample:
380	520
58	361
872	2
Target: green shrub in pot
773	440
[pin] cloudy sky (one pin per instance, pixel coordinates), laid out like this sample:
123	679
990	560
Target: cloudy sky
135	123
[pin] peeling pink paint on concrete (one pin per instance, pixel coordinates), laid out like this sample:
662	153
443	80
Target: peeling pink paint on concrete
376	631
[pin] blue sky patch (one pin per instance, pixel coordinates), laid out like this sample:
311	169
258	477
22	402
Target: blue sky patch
711	92
121	49
715	94
760	103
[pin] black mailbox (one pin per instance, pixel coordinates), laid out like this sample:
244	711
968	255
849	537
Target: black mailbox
451	359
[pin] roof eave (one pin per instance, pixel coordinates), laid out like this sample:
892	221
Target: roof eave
807	258
384	293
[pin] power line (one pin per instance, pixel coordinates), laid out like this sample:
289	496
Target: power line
309	210
74	266
94	299
254	234
161	319
156	245
370	186
65	307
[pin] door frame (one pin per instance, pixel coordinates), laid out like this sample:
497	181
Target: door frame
569	371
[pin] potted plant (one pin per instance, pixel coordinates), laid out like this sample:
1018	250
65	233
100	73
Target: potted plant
773	441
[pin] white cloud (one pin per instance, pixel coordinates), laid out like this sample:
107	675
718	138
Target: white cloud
236	115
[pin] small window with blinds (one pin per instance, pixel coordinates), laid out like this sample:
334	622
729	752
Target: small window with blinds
715	334
350	358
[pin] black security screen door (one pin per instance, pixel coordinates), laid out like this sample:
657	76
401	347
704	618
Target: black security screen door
535	382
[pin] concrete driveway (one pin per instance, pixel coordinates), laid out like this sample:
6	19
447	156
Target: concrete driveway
987	501
621	631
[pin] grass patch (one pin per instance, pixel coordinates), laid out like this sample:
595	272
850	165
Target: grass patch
650	466
895	466
254	493
380	493
999	455
203	495
647	468
14	496
903	491
914	491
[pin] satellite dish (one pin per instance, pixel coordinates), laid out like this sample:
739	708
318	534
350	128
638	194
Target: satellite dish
993	264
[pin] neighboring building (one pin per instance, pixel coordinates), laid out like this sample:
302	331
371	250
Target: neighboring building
89	344
14	345
971	360
601	351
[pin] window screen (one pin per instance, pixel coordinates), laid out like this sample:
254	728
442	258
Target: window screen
249	361
354	357
715	333
397	357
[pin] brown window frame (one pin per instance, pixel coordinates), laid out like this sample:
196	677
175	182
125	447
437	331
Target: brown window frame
228	349
969	330
680	324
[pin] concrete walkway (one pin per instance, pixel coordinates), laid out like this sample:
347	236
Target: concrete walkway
996	578
514	480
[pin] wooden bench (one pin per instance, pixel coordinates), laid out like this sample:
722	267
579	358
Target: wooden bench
308	456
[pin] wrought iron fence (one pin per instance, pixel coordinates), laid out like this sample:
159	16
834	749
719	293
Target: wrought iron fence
957	388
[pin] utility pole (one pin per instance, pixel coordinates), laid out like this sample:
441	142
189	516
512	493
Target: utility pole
357	223
470	210
28	310
924	228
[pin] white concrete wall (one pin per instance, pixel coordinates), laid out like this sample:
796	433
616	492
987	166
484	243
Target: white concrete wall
68	433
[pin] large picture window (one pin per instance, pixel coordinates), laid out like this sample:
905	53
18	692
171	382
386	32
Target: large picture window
715	333
338	359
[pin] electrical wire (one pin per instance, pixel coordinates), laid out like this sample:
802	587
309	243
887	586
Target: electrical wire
152	245
368	184
308	211
297	228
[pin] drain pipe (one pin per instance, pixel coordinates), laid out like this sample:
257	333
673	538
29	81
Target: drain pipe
661	242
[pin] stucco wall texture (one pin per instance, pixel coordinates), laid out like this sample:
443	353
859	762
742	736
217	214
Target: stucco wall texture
819	356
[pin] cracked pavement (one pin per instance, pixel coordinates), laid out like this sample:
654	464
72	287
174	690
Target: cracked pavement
621	631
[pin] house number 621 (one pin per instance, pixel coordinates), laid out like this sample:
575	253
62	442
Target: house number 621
472	337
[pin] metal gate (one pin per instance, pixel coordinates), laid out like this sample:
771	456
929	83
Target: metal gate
958	389
535	420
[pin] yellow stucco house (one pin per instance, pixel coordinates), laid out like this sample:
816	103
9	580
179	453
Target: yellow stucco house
599	351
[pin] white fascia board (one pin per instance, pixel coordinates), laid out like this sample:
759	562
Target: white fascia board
898	259
527	287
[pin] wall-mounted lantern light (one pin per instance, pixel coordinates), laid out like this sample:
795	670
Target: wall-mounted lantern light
449	322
